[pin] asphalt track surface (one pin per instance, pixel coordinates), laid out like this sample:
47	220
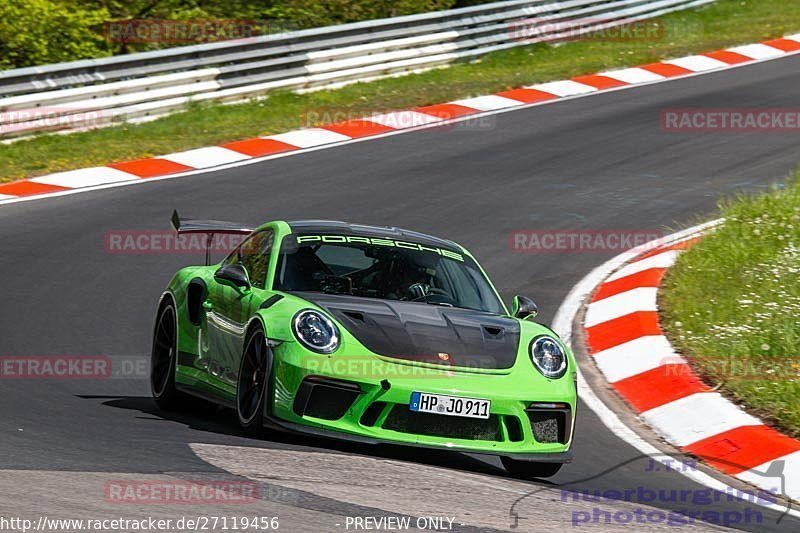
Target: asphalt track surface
596	163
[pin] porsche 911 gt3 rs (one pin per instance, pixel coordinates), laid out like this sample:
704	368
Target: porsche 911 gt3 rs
371	334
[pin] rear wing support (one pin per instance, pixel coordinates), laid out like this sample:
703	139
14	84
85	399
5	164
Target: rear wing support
209	227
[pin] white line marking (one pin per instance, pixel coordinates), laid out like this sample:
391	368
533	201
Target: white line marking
697	63
210	156
634	75
7	196
696	417
487	103
564	88
757	51
624	303
662	260
85	177
309	137
636	356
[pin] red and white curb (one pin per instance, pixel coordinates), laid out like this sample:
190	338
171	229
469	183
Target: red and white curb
625	341
192	161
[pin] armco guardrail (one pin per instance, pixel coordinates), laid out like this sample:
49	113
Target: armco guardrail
99	92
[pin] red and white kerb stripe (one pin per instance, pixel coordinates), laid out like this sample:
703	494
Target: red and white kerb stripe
202	158
625	340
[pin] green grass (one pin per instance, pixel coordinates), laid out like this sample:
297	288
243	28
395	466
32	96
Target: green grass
732	305
723	24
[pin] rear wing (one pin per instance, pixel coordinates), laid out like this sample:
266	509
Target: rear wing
209	227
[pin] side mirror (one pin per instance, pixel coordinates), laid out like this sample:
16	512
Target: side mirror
233	276
523	307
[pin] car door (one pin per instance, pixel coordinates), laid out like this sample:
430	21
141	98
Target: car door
228	309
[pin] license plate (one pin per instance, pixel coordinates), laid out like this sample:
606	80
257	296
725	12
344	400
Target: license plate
423	402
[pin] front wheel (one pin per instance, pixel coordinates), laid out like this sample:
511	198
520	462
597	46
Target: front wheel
530	469
253	383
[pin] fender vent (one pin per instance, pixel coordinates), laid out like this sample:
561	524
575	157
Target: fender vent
195	296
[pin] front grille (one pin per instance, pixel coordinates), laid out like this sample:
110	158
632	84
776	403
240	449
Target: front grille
325	398
550	424
406	421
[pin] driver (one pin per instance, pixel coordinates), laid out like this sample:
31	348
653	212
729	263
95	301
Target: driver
411	281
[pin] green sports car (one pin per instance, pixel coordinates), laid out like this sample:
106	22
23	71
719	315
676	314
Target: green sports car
370	334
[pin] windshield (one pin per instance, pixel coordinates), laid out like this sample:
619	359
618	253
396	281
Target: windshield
383	268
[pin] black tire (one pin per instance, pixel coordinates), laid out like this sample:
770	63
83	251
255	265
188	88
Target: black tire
163	359
530	469
252	386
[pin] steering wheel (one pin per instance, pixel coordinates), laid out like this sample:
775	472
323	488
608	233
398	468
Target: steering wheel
430	294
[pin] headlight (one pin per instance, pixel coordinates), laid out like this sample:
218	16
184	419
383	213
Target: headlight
315	331
548	357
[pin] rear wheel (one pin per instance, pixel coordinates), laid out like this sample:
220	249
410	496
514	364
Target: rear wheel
162	360
253	384
530	469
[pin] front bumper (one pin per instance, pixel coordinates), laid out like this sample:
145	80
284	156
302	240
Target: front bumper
366	399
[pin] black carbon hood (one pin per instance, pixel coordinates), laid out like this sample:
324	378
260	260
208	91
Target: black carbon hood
425	333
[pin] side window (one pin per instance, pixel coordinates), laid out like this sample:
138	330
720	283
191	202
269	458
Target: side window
253	255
